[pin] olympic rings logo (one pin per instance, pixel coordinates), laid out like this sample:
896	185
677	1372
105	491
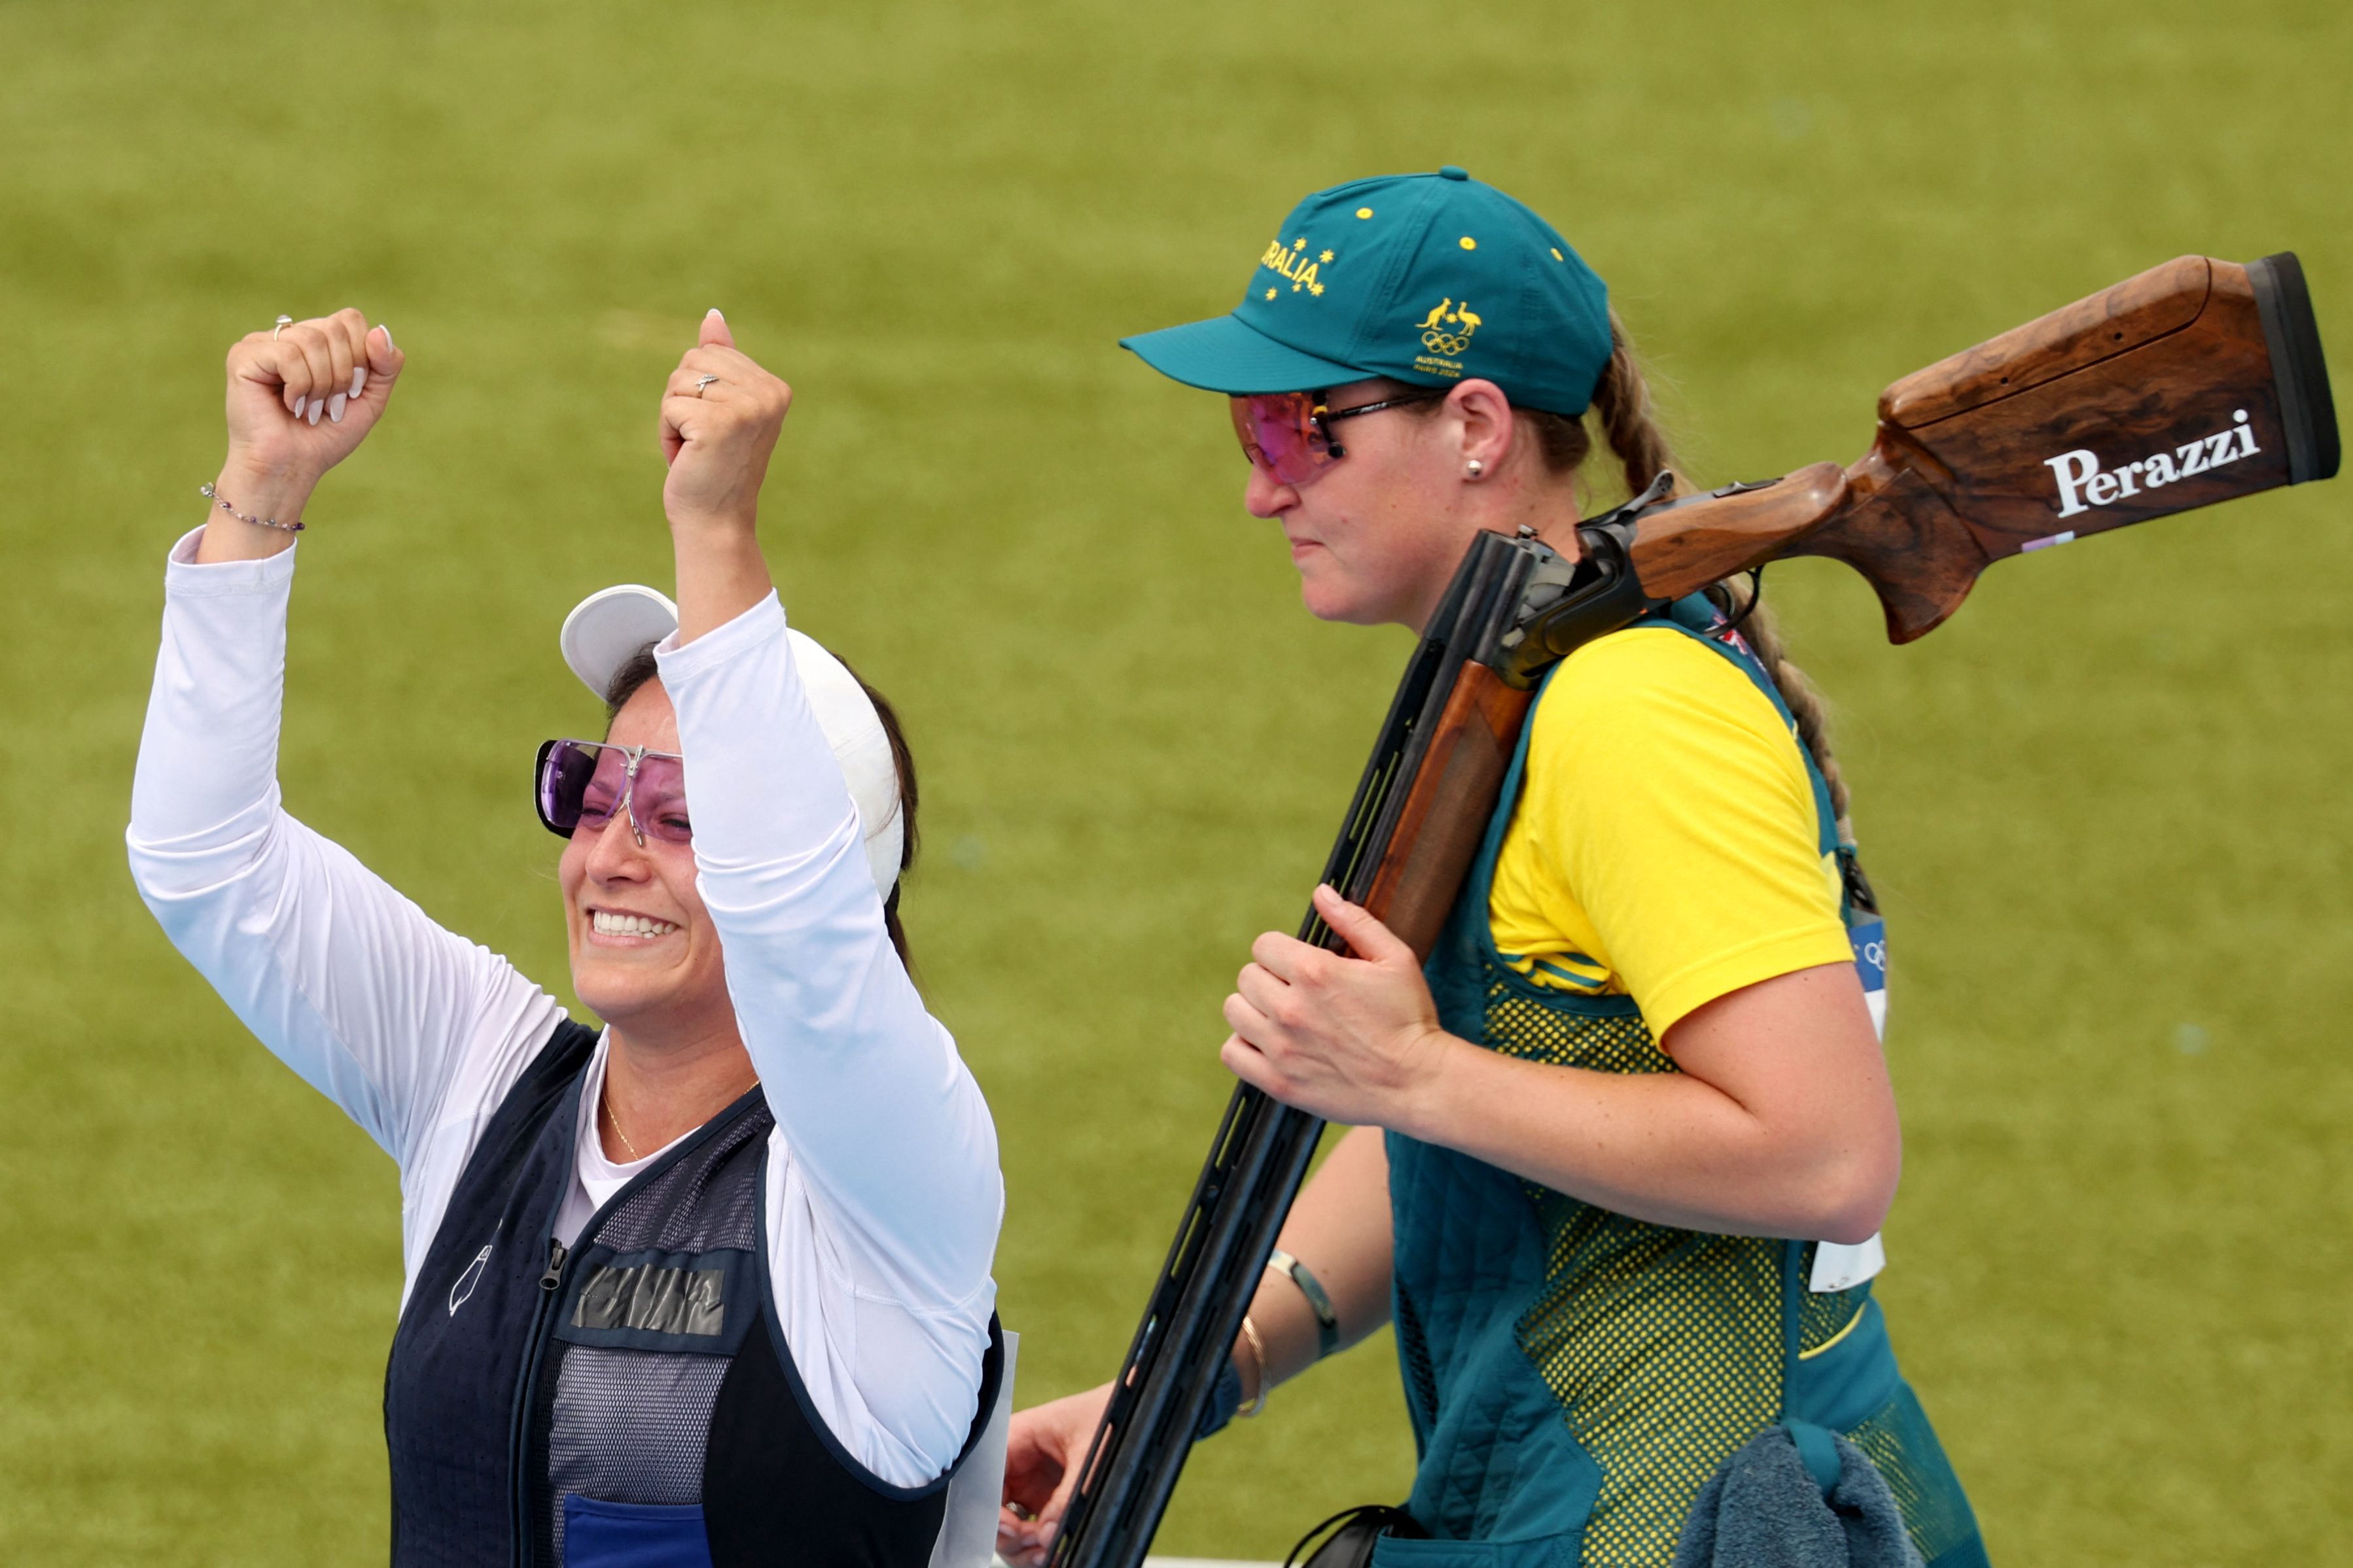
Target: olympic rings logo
1445	343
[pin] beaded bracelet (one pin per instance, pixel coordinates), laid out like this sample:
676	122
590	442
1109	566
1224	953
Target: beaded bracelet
214	496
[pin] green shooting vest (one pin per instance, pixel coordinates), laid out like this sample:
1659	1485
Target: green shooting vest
1575	1376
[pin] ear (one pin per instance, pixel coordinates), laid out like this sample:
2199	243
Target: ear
1482	416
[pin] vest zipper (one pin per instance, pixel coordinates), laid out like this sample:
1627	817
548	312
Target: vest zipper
551	1290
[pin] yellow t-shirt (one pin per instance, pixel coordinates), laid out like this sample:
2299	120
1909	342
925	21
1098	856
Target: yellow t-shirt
1666	845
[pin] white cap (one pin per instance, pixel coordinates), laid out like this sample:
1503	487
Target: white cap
608	627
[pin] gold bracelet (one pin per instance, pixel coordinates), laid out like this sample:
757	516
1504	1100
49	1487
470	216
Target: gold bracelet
1258	1359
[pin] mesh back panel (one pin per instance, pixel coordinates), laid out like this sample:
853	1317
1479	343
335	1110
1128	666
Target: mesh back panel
1664	1346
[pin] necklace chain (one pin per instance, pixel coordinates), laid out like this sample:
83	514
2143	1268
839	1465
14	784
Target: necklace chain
606	1099
624	1137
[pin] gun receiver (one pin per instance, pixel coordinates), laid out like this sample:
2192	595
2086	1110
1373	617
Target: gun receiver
2193	383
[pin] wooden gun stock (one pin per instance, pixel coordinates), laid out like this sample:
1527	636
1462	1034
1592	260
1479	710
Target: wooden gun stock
2196	382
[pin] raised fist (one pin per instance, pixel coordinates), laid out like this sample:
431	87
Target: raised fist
302	396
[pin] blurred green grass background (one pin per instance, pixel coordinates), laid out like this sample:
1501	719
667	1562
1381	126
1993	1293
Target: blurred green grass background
2104	806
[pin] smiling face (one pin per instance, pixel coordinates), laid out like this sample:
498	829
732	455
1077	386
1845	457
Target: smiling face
1376	535
644	951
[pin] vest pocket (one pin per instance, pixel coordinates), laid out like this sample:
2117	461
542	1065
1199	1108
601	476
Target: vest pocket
600	1534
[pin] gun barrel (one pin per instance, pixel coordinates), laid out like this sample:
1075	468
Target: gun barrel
1402	851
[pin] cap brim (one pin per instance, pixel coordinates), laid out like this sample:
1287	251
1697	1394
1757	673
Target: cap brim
1223	355
608	627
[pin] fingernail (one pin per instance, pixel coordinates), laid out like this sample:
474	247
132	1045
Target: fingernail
716	311
298	409
359	378
388	334
335	407
317	406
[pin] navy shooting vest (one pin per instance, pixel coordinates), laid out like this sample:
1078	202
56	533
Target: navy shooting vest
629	1401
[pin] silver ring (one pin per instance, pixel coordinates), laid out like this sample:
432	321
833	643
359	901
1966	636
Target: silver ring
284	322
702	382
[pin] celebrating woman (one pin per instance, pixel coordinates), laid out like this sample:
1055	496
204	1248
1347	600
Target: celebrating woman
1621	1152
710	1284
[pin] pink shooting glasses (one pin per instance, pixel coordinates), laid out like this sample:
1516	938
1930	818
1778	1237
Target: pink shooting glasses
1289	433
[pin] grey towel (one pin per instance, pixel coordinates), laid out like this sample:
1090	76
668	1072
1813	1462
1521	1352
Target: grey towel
1797	1495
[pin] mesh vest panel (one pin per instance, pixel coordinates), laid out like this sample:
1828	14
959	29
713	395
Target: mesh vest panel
631	1424
1664	1346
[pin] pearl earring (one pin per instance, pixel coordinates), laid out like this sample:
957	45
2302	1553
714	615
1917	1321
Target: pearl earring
1474	468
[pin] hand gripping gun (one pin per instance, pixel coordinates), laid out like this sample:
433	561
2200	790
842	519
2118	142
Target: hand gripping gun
2194	383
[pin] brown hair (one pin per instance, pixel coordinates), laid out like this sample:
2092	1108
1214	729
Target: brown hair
640	668
1622	408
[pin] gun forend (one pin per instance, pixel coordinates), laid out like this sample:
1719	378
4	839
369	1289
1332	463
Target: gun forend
2197	382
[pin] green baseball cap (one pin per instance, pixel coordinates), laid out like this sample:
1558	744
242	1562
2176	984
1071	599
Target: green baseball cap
1424	279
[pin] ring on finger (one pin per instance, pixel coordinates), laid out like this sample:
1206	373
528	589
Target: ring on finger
702	382
284	322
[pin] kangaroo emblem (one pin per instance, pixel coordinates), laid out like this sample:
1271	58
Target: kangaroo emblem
1446	328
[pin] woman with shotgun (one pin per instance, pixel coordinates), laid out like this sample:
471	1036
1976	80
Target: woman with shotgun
1622	1151
708	1284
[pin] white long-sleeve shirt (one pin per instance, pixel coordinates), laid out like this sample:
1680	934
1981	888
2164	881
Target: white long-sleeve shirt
883	1196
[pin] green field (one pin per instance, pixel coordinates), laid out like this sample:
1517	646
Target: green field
2105	806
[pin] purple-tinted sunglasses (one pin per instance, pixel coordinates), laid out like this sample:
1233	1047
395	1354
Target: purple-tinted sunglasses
584	783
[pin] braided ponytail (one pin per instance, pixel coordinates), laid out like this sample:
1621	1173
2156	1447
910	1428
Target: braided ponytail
1621	405
1621	402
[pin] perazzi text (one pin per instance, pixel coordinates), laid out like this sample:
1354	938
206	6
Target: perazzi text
2083	484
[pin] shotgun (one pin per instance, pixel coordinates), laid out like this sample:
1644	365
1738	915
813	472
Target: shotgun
2193	383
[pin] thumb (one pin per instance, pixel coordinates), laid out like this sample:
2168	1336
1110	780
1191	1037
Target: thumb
714	331
1358	928
385	359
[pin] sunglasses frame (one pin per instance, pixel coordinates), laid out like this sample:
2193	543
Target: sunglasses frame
627	804
1322	417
